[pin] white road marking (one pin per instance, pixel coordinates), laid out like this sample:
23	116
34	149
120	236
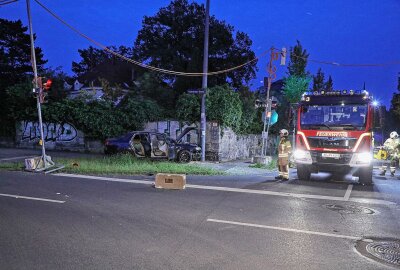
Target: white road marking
111	179
348	192
238	190
30	198
12	158
284	229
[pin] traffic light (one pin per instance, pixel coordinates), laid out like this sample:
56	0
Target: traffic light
47	85
44	85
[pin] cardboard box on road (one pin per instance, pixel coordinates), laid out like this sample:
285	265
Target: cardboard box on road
170	181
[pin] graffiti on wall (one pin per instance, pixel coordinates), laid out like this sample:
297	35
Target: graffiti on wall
52	132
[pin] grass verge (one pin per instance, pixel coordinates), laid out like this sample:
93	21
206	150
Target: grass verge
126	164
270	166
11	166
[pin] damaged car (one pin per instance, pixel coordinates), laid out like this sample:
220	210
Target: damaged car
154	145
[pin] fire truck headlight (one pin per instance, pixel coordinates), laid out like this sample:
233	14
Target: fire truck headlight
361	159
302	157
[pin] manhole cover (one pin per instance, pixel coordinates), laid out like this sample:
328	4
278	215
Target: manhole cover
383	251
351	209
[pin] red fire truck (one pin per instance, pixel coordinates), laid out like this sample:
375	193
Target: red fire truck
334	134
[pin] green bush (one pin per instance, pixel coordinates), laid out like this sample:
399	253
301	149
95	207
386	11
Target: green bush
224	106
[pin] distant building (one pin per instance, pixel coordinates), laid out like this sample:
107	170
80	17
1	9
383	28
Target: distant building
92	92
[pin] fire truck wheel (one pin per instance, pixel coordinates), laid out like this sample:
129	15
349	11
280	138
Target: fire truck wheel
365	176
303	173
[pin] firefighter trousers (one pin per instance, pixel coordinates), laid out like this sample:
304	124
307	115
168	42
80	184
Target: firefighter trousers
393	164
284	171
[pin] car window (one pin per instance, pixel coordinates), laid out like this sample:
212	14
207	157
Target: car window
144	137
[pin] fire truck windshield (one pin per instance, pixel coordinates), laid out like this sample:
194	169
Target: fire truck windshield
344	117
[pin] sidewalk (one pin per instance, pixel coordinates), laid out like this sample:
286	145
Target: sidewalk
238	167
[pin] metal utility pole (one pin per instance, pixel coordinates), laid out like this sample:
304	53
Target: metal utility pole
35	74
204	83
271	69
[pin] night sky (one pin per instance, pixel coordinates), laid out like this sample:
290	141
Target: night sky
341	31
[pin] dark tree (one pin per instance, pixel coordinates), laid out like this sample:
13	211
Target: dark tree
98	63
15	65
318	81
173	40
15	53
298	61
329	84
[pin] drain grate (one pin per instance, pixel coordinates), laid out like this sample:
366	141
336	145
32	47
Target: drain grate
385	251
351	209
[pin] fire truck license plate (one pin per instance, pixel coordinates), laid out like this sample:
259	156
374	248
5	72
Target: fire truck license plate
330	155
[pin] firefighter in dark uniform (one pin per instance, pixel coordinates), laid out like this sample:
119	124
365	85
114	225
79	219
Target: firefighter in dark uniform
284	151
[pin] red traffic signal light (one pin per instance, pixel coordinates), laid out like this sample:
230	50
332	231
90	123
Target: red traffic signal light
47	84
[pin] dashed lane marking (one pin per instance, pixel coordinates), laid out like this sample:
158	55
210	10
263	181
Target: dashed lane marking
283	229
348	192
238	190
30	198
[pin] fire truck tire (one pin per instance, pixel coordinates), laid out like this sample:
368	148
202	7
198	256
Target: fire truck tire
303	173
365	176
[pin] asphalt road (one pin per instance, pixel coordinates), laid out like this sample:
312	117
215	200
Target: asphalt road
244	222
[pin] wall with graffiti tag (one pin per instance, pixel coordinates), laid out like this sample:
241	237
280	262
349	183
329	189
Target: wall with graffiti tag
60	136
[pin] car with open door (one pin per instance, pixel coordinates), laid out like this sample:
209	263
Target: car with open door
154	145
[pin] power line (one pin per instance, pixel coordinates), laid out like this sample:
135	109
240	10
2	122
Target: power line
172	72
6	2
334	63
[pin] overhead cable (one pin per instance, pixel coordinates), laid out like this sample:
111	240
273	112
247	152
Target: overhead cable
172	72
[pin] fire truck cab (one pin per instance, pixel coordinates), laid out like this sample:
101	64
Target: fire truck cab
335	134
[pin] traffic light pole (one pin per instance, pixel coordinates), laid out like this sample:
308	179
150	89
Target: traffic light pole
204	84
35	74
266	118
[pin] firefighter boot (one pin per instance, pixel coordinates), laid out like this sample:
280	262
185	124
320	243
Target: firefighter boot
392	170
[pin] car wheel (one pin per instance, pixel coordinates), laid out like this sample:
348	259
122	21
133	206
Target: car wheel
184	156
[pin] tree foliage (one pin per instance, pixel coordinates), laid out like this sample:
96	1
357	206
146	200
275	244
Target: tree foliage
251	117
97	119
188	108
298	61
150	86
98	63
319	81
320	84
224	106
16	67
294	87
173	39
15	53
102	119
329	84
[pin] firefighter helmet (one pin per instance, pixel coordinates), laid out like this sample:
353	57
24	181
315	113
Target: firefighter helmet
284	132
394	135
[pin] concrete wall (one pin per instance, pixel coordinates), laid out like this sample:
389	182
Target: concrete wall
230	146
221	144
